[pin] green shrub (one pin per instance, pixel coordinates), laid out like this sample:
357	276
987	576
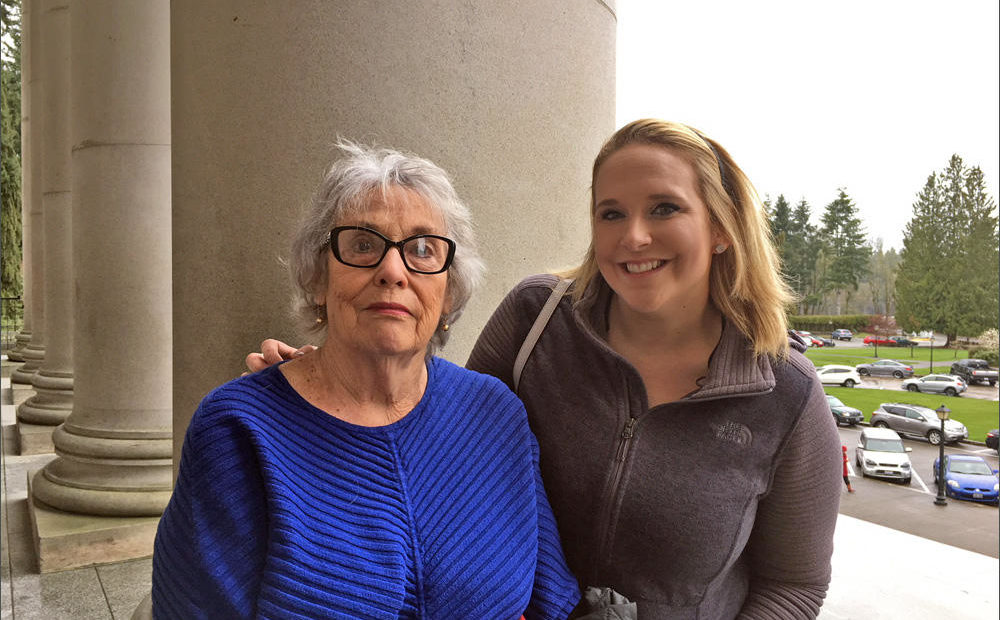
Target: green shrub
825	323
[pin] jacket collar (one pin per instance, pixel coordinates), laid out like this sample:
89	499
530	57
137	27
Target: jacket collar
733	368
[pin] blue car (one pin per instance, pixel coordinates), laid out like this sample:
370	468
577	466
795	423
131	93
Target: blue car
969	477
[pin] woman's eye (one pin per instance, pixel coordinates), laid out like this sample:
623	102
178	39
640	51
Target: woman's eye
664	208
363	246
609	215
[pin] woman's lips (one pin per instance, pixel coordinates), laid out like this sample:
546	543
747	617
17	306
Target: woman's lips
388	308
644	266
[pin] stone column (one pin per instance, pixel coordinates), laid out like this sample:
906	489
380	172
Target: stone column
33	353
24	336
512	98
114	449
53	383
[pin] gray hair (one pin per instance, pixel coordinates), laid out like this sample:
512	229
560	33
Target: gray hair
346	187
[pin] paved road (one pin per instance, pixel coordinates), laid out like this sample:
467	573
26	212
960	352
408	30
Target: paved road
911	509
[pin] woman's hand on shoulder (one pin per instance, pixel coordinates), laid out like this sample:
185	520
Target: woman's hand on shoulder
273	351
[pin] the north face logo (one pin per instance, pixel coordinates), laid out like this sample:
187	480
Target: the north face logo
734	432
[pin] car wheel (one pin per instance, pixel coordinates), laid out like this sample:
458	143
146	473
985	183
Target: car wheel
897	374
913	387
881	424
906	481
950	391
934	436
863	372
849	383
993	383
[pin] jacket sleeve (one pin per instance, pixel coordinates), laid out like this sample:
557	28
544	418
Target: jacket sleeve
555	592
211	541
792	539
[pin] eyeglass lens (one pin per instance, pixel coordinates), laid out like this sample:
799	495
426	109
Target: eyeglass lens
365	248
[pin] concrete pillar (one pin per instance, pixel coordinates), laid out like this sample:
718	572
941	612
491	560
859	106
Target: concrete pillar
53	383
115	447
513	99
33	353
24	336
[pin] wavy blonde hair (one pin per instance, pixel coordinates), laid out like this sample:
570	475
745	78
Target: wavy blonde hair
744	282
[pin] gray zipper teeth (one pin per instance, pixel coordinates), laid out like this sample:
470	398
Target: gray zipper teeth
608	501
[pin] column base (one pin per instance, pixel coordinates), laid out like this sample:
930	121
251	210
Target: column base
34	438
52	402
33	358
20	393
64	540
9	366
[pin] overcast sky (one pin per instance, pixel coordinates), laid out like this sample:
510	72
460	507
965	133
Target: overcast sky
808	97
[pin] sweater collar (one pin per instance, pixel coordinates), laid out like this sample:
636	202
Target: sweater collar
733	368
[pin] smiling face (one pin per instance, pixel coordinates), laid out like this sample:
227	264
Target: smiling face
386	310
653	240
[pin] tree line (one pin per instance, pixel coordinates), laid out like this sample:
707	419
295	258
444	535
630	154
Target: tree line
10	156
946	278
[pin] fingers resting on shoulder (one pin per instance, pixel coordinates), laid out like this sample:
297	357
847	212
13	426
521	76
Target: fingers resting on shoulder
273	351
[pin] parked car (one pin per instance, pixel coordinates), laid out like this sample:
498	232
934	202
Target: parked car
880	453
902	341
885	368
969	477
842	334
936	384
918	421
827	342
992	439
835	374
842	414
809	339
883	340
973	370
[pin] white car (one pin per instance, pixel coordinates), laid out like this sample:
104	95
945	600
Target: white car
938	384
835	374
880	454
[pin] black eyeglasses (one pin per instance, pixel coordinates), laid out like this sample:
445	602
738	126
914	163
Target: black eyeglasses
357	246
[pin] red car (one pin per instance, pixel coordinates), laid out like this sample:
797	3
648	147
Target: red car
883	340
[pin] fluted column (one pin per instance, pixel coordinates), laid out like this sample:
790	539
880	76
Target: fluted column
115	447
512	98
33	352
53	383
24	336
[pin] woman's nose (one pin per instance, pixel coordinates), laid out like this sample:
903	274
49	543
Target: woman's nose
637	235
392	270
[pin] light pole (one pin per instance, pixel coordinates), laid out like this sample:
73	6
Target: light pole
942	414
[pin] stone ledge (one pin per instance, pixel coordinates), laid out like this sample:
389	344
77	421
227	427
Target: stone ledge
64	540
20	392
34	438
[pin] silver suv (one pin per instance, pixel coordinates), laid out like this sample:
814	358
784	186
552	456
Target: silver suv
916	420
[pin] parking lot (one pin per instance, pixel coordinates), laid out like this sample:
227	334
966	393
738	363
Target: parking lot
911	509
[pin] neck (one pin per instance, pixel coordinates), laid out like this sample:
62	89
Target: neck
676	330
364	389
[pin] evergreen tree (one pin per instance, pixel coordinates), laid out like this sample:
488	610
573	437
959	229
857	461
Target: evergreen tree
781	219
10	156
949	277
800	252
845	245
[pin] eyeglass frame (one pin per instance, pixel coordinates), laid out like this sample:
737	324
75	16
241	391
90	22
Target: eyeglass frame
389	243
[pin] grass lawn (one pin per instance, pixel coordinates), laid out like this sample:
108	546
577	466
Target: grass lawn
852	357
976	414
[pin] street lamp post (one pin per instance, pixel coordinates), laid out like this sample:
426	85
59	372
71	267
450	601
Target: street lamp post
942	414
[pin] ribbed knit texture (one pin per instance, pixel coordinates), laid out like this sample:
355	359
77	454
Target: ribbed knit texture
283	511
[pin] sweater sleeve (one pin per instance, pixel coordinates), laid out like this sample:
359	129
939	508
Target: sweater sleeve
555	592
211	542
501	339
792	539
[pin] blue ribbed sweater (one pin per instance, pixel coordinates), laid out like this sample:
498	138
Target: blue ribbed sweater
283	511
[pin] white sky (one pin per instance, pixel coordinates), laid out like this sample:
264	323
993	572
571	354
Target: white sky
809	96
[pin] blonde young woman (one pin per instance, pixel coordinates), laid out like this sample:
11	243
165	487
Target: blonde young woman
686	447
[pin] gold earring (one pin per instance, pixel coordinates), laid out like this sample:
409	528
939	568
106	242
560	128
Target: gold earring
445	327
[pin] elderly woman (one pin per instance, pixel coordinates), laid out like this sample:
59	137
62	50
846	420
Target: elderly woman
367	479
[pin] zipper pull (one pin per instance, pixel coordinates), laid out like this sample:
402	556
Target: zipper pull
627	433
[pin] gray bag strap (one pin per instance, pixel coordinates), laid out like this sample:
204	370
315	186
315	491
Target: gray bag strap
536	329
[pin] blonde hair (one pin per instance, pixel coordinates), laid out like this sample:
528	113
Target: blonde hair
744	283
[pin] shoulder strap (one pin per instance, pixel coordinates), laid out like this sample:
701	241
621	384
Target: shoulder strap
536	329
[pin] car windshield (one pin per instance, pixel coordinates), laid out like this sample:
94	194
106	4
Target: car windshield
970	467
885	445
977	364
834	401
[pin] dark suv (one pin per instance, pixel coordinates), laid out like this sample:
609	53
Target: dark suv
973	371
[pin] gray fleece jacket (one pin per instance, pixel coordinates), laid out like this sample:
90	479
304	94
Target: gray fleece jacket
719	505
